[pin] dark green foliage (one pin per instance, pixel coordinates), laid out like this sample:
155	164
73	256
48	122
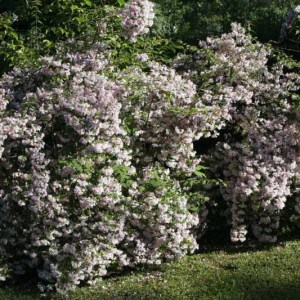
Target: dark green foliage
29	28
32	28
194	20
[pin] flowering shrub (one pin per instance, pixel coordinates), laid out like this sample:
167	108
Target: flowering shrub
258	156
97	164
62	123
80	197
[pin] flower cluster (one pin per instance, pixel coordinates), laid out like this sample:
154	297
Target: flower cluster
167	116
297	9
161	220
137	18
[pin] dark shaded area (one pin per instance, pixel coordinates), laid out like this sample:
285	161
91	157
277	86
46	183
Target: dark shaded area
194	20
241	277
205	145
244	286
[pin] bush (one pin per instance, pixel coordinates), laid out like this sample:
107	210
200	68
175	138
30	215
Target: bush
258	154
98	169
89	183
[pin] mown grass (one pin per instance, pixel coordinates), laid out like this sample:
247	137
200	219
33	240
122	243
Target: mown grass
231	273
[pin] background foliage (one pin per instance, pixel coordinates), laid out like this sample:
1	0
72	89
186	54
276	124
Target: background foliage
194	20
29	28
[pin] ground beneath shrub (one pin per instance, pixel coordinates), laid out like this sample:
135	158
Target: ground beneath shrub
222	273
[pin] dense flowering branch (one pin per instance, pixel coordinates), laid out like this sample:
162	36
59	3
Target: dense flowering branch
137	18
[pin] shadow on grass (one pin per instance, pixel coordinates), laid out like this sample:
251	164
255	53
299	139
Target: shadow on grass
22	287
247	286
257	276
215	241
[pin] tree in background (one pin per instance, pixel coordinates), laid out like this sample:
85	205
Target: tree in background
29	28
194	20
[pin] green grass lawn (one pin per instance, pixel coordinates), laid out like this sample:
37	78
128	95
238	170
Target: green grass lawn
233	273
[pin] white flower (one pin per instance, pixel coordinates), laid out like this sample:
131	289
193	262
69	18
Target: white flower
143	57
297	9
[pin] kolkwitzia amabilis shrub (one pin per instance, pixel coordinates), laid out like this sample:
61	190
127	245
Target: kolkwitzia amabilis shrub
259	155
258	173
62	210
65	210
165	115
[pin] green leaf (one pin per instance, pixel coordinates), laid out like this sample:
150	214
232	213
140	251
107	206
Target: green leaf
14	34
47	43
198	171
200	167
155	183
121	2
88	3
80	19
74	7
199	174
